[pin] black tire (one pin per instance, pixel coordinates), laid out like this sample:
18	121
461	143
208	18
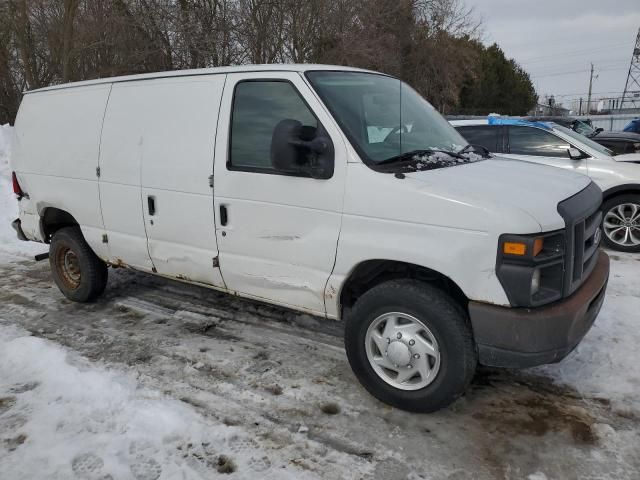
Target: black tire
630	198
446	320
78	272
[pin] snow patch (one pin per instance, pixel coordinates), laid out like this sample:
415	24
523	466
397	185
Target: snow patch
605	364
67	418
9	203
442	159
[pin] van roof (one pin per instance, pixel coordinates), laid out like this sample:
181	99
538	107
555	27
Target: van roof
273	67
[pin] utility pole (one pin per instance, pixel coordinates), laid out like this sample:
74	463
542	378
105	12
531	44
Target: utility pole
580	107
589	97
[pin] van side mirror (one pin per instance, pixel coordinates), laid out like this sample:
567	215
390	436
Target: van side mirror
575	154
302	150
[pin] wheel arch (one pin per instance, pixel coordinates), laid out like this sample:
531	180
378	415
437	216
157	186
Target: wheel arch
620	190
369	273
53	219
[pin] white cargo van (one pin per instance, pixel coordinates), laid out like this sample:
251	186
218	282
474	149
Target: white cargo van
333	191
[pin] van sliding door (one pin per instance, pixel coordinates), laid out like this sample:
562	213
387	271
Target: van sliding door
177	123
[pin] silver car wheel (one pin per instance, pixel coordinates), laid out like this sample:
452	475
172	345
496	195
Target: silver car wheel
402	351
621	224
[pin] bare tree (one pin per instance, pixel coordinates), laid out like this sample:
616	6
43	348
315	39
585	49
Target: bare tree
432	44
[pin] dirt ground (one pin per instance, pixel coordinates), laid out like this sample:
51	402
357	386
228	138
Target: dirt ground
282	380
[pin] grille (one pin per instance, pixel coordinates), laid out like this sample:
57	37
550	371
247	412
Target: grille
586	239
582	217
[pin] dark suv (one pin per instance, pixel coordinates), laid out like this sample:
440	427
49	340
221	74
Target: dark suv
618	142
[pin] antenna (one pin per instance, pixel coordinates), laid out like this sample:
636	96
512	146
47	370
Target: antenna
631	92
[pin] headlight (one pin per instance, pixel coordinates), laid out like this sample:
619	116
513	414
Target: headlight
530	267
535	282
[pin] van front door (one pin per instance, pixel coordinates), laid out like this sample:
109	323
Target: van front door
277	230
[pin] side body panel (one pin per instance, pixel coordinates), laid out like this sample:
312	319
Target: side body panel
409	224
56	155
607	173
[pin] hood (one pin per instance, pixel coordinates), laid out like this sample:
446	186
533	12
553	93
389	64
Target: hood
503	184
628	157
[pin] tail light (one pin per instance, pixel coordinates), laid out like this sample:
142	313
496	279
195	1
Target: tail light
17	189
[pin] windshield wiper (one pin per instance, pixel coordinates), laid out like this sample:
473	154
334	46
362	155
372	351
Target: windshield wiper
416	154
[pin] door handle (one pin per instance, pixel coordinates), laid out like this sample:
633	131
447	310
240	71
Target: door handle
223	215
151	204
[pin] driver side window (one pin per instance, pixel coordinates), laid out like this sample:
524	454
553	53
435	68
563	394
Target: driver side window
537	142
258	107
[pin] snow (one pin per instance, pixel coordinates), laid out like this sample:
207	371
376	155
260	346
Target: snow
160	380
605	364
8	204
441	159
79	419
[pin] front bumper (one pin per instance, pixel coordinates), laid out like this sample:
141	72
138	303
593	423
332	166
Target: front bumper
525	337
17	226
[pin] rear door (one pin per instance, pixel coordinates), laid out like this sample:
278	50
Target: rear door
277	232
537	145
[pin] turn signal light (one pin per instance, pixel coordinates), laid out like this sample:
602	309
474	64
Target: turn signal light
520	248
538	245
515	248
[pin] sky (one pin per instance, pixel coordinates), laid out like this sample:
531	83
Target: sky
555	41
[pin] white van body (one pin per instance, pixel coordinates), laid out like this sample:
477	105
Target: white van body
140	163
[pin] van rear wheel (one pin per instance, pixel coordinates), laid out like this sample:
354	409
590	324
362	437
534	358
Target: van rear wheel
78	272
410	345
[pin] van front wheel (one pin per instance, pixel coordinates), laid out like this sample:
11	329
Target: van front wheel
78	272
410	345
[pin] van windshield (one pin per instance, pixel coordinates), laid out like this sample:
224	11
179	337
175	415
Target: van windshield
387	121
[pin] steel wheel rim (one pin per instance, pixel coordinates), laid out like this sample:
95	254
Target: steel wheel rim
621	224
402	351
69	267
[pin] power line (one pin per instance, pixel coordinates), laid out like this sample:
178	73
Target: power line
569	72
571	53
603	63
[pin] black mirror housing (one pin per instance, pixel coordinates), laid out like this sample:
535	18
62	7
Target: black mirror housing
301	150
575	154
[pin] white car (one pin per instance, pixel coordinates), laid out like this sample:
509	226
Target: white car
332	191
544	142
